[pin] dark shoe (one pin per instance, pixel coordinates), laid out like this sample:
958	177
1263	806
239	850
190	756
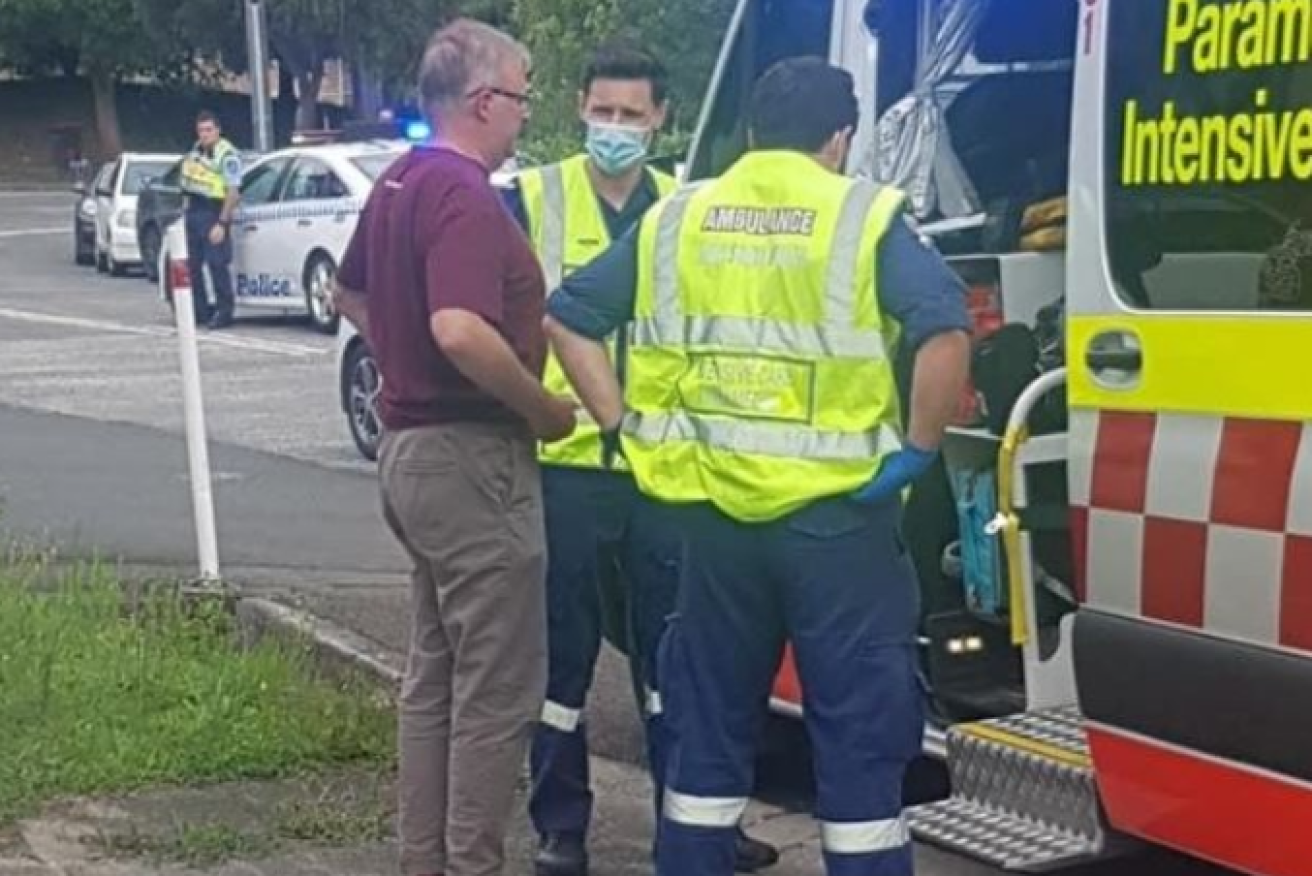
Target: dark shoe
751	855
220	320
561	855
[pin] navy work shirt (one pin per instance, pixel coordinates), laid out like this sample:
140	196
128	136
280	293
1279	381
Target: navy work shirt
917	289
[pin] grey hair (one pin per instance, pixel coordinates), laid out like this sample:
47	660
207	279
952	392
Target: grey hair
463	56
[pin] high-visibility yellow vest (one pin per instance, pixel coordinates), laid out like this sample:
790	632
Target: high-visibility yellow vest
568	230
760	375
202	175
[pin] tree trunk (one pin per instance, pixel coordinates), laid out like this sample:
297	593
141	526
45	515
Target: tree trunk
105	96
286	85
366	92
69	63
308	83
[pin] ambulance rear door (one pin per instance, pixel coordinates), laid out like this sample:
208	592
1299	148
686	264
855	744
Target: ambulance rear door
1190	382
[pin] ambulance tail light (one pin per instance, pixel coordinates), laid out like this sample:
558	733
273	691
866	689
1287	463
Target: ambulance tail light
984	304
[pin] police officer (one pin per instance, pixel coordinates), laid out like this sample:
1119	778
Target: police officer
211	181
597	524
760	403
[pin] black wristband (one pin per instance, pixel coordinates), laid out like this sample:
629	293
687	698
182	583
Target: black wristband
610	446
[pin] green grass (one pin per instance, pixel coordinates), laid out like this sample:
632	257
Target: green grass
97	699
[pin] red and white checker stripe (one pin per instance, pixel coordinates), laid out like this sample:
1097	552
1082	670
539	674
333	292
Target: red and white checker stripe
1202	521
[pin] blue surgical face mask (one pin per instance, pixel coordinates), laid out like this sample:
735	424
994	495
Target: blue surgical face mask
616	148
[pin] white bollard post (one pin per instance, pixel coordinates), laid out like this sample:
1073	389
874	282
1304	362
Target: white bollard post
202	495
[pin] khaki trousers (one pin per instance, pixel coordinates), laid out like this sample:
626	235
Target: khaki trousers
465	500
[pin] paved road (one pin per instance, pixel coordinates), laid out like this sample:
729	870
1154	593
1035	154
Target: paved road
91	455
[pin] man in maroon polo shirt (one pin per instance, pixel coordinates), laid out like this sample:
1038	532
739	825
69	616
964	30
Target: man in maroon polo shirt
443	284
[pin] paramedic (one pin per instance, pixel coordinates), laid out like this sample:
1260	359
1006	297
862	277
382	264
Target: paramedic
760	401
597	523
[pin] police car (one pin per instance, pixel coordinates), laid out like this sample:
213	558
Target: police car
298	208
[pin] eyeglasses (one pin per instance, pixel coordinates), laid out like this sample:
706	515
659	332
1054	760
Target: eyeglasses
521	98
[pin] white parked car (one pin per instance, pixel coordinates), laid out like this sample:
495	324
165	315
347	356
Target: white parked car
298	210
116	194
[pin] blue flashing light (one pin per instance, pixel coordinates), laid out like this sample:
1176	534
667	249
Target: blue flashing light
418	131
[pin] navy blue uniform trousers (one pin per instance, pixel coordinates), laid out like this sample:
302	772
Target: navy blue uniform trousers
598	525
835	580
201	216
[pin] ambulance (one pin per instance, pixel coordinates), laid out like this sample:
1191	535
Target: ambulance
1116	553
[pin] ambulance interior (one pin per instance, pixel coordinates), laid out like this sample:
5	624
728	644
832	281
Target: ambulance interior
972	112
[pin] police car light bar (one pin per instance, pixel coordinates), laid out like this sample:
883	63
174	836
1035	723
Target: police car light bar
418	131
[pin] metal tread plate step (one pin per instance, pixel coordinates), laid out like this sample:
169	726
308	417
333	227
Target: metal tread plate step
1023	794
1002	840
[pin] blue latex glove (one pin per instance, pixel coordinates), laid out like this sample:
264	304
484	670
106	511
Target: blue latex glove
898	471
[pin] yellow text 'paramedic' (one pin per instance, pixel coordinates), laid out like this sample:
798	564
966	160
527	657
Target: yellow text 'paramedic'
1255	144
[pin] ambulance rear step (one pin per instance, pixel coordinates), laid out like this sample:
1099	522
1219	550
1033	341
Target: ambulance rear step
1023	795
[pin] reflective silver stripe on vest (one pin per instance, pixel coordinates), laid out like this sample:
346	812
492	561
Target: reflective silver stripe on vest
837	336
666	270
553	226
784	440
763	335
845	254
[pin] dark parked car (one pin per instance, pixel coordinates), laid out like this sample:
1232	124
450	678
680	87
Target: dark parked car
159	203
